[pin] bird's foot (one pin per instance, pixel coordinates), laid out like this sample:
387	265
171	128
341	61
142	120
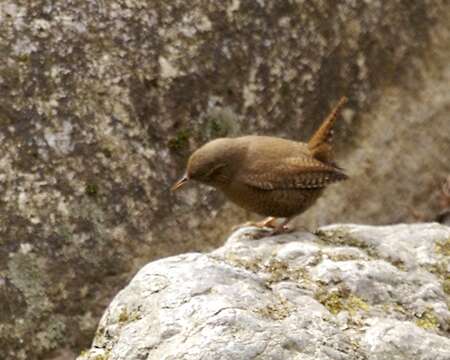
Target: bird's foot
269	222
272	231
267	227
282	229
266	223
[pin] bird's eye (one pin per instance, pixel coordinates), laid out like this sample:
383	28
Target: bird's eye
214	170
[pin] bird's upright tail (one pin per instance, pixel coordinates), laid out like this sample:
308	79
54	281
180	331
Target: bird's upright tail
320	142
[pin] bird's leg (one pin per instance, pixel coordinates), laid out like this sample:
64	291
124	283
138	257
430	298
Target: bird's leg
283	227
268	222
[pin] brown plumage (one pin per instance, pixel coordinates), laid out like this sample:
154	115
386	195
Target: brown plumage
268	175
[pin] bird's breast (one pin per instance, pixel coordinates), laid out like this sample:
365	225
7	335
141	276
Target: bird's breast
277	203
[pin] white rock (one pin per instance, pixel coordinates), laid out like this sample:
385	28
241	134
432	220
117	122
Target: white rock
352	292
393	339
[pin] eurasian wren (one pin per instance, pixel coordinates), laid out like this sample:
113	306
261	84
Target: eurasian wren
270	176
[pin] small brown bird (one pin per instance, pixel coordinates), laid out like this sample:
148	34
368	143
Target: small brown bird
270	176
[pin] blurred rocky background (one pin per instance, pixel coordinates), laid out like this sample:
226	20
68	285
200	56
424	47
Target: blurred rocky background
102	101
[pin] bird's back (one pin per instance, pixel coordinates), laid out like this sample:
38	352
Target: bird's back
272	148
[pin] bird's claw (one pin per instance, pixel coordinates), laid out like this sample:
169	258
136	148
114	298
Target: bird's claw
266	227
268	223
282	229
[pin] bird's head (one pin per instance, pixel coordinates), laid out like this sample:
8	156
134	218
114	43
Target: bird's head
213	164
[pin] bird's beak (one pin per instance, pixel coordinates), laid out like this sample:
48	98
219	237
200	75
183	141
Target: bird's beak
180	183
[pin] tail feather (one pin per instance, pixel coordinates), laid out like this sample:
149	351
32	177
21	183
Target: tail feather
320	142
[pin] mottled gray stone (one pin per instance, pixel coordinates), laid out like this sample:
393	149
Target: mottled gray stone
333	295
398	340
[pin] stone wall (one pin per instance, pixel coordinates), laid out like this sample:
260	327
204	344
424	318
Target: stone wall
102	101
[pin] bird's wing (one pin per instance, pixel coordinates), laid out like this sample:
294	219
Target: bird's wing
299	172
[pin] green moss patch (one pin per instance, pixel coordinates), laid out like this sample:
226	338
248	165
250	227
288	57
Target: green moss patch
91	189
341	300
276	311
340	237
443	247
427	320
180	141
126	317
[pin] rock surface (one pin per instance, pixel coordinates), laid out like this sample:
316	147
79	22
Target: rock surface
346	292
102	101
